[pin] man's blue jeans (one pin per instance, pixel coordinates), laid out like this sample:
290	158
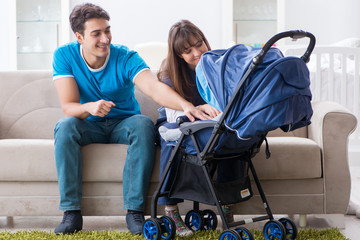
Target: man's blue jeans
71	133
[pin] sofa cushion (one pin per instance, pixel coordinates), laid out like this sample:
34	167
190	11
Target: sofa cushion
33	160
291	158
27	160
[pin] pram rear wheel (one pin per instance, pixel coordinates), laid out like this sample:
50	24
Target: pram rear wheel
229	234
194	220
290	228
168	228
152	229
210	219
244	233
274	230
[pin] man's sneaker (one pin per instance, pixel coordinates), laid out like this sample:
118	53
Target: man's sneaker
181	229
135	221
71	222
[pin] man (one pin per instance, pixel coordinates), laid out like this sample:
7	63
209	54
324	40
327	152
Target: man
95	82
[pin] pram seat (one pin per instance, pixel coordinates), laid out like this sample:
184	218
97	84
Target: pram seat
268	92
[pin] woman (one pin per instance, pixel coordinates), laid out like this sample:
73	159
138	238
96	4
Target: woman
186	44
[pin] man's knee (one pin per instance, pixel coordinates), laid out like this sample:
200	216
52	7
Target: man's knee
142	122
66	125
143	127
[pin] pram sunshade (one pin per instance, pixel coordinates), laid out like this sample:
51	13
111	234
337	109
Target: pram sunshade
276	94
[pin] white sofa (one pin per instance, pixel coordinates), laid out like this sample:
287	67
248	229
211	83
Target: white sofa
308	172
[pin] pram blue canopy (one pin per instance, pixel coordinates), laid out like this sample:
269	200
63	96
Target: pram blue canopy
276	94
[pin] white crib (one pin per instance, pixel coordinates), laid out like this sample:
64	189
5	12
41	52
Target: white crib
335	76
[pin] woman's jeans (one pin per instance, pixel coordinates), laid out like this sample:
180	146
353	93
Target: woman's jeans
166	151
71	133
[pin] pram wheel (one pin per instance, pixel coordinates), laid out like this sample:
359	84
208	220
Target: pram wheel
194	220
210	220
274	230
168	228
229	234
290	228
244	233
152	229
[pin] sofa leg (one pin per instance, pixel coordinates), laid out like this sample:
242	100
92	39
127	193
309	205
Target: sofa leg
302	220
10	221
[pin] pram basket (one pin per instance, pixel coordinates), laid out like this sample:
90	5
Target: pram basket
206	148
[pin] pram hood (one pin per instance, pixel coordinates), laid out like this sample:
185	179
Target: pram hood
276	94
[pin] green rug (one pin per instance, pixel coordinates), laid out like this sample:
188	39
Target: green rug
307	234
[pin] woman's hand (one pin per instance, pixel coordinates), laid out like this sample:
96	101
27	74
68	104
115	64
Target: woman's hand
209	110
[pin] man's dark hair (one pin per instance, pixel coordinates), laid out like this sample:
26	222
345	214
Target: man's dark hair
83	12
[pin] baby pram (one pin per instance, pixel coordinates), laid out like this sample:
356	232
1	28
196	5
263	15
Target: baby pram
258	90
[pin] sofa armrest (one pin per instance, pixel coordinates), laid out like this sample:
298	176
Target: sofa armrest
330	128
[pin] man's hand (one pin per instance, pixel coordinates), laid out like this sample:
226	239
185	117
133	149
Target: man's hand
99	108
209	110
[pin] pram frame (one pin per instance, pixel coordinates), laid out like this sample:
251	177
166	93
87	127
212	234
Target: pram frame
188	129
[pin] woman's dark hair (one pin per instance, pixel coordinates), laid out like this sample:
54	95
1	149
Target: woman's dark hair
83	12
174	67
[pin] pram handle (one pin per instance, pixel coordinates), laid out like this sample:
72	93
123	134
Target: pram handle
294	34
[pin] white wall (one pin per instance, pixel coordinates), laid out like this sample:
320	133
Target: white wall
329	20
140	21
8	35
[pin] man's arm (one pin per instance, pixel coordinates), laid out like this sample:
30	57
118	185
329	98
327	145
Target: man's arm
166	96
69	96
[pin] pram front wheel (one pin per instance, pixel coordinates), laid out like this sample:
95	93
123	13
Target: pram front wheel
168	228
290	228
152	229
194	220
244	233
210	219
229	234
274	230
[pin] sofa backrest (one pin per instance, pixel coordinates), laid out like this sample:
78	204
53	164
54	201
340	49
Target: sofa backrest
30	108
29	105
301	132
